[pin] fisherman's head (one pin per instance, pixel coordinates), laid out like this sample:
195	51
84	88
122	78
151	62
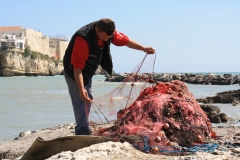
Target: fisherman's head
105	28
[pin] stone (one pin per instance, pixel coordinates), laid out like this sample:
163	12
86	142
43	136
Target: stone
15	64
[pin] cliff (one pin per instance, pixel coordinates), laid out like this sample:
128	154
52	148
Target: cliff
16	63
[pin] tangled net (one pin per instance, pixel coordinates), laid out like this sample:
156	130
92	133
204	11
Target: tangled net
159	115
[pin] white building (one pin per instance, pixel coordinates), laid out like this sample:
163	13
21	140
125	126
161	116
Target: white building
14	41
19	37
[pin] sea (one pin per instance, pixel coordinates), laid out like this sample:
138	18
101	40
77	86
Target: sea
35	103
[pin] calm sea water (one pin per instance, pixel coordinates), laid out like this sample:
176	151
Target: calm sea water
34	103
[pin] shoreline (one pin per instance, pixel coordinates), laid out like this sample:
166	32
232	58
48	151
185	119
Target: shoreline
228	136
17	147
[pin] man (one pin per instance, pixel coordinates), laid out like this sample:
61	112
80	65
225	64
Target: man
90	47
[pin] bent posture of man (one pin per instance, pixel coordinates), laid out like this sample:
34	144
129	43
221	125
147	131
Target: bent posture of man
88	48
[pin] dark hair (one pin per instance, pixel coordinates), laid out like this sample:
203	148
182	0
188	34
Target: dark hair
106	25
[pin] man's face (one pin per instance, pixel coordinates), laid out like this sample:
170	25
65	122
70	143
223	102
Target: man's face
102	35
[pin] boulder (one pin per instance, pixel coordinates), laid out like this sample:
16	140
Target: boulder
214	115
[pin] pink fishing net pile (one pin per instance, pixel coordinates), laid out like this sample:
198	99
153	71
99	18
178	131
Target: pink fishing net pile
151	114
166	113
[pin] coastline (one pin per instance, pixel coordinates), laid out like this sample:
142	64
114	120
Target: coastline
41	96
17	147
228	141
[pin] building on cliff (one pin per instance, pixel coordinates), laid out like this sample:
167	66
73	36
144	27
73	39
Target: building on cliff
19	37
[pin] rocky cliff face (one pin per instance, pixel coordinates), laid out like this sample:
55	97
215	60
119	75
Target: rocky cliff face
13	63
16	64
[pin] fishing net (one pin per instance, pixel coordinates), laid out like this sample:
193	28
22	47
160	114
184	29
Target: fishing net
152	115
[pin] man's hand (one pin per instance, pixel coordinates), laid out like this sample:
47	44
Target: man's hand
149	50
84	95
134	45
79	80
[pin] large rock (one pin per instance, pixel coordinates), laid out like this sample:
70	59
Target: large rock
232	96
214	115
15	64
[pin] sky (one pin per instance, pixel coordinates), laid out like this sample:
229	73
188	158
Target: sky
187	35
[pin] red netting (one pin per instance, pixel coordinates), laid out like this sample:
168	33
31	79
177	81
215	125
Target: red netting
166	114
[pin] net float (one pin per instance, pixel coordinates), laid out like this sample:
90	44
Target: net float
180	94
186	118
183	108
173	144
161	134
184	149
199	138
154	150
170	132
165	126
169	114
158	139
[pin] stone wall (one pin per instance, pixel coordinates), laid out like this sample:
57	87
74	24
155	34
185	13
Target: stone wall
37	42
61	49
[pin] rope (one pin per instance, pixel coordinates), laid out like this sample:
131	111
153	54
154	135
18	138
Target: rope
100	111
164	149
135	79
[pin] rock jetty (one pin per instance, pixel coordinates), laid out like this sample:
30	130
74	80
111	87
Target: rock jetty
204	79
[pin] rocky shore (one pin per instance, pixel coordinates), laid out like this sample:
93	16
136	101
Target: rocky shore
15	63
214	114
232	96
227	148
205	79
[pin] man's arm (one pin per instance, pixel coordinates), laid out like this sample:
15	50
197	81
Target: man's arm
134	45
79	80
